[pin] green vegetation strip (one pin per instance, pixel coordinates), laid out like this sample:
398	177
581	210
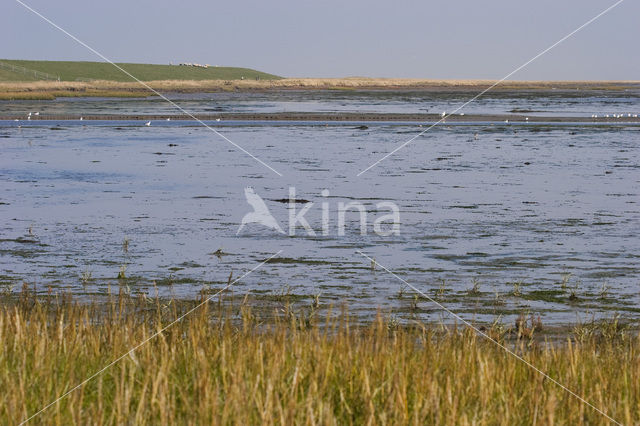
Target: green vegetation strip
86	71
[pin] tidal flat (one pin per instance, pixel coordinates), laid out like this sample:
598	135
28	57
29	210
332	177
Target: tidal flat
523	203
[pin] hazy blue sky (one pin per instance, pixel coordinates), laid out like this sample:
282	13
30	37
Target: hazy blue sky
424	39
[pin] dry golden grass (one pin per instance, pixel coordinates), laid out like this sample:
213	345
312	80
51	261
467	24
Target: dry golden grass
94	88
224	365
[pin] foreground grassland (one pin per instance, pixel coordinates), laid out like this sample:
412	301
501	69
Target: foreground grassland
226	364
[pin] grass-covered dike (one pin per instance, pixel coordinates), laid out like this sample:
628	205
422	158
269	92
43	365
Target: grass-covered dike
87	71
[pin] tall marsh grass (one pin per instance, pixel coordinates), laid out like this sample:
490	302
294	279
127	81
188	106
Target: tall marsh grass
227	364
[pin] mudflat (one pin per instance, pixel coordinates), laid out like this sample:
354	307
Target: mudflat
333	117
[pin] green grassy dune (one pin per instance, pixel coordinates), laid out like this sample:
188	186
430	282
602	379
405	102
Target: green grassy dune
6	75
82	71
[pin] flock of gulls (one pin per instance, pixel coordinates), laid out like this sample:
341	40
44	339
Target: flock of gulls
444	115
615	116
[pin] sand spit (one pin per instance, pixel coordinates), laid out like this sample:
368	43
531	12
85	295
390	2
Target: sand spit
103	88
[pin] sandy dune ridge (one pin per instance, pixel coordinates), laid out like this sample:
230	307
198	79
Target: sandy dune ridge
304	83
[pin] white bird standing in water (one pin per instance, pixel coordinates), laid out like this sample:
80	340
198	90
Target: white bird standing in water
29	116
148	123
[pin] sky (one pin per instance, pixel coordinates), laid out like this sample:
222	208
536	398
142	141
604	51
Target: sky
402	39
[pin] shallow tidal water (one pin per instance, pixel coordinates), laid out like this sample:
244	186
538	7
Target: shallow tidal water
565	103
541	218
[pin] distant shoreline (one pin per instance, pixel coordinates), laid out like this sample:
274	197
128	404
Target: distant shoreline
48	90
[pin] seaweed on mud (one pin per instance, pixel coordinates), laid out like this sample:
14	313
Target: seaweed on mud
552	296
